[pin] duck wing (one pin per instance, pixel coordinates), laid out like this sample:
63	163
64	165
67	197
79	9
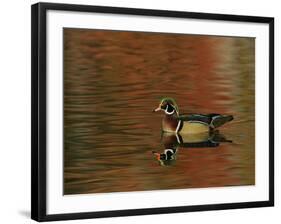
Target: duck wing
202	118
213	120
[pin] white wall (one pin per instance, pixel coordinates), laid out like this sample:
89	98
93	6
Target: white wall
15	110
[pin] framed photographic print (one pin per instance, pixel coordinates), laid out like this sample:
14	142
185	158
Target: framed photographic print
139	111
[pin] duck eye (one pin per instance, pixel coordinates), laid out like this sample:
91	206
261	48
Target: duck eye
169	108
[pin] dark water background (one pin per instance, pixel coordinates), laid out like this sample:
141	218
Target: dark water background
112	82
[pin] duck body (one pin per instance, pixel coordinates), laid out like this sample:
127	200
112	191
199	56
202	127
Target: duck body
193	123
188	124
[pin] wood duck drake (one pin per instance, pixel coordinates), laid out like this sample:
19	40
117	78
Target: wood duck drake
188	124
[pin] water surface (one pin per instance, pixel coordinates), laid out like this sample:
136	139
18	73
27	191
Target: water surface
112	82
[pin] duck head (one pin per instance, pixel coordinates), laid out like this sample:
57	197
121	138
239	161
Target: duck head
168	105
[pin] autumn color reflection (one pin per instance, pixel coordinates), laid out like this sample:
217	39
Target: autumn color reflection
112	81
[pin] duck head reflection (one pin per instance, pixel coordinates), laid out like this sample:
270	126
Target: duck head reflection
173	141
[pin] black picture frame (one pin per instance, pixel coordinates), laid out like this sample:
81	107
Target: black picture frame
38	108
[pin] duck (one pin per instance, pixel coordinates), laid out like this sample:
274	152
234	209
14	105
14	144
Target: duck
174	122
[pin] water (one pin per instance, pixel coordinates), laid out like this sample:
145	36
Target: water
112	82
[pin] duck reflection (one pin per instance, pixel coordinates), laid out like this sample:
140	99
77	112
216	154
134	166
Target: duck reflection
173	141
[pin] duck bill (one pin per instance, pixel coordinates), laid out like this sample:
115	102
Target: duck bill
157	155
157	109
